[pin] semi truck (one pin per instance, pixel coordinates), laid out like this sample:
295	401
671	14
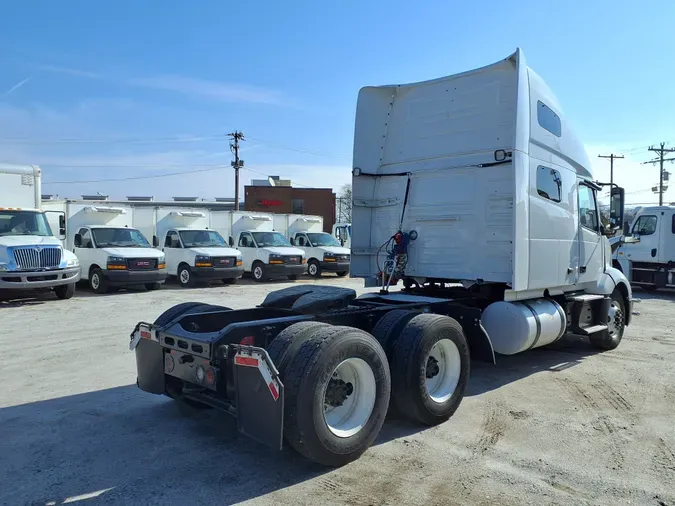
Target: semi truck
476	223
322	250
266	252
645	253
31	257
112	253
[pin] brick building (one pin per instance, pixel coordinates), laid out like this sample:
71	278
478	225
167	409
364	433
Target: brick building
287	200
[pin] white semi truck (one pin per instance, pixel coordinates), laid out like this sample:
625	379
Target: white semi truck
112	253
31	257
323	251
645	253
266	253
194	251
474	192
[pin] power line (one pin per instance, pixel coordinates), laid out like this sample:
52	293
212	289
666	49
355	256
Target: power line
160	140
299	150
133	178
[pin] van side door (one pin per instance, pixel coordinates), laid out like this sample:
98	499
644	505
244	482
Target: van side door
85	252
589	237
172	252
248	250
648	228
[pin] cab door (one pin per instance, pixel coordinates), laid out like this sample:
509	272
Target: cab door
248	250
589	237
172	251
85	251
648	228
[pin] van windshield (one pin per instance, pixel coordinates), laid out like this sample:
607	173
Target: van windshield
270	239
201	238
24	223
119	238
322	239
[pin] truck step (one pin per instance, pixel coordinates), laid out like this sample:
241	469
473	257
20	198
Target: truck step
584	297
593	329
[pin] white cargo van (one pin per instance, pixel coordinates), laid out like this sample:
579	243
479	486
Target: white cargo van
30	256
266	253
194	251
111	252
646	251
322	250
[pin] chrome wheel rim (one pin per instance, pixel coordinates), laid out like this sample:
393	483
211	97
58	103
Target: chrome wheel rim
443	369
349	398
615	319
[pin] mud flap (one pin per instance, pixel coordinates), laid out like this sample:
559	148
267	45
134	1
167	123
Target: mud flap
149	361
259	395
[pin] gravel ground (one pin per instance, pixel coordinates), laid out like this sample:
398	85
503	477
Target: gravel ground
562	425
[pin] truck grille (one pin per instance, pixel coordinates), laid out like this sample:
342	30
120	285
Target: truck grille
224	261
141	264
292	260
37	257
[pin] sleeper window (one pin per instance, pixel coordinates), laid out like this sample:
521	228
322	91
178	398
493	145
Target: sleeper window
549	184
548	120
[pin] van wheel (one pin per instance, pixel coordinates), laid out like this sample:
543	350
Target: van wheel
616	323
65	291
153	286
293	277
430	368
258	271
337	393
314	269
342	274
97	281
185	278
230	281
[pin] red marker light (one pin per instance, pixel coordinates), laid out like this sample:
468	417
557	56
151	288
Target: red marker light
248	341
210	377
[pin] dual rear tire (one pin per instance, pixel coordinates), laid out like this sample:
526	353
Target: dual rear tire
339	380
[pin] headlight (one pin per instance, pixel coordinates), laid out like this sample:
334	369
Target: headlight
115	260
203	261
275	258
4	267
73	262
161	263
329	257
116	264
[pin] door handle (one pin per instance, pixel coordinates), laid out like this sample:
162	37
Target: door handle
654	253
582	269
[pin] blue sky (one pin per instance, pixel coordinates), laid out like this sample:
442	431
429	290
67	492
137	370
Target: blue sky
144	74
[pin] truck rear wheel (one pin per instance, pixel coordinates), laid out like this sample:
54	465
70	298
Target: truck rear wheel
283	348
430	368
65	291
337	393
176	311
616	323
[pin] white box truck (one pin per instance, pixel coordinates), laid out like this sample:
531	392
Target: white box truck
475	192
266	253
322	251
194	251
30	256
113	254
645	253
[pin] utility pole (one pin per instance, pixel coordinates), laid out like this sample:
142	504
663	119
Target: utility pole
661	151
237	163
611	166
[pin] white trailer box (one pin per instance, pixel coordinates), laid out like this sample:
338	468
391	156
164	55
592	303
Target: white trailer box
30	256
266	253
322	250
194	250
113	254
646	252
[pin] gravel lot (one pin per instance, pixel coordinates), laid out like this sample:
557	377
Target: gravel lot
562	425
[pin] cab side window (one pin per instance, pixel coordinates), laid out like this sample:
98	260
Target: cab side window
172	240
246	241
588	210
86	238
645	225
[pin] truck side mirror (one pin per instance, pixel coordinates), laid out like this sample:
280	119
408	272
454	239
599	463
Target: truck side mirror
62	221
78	241
616	204
292	241
632	239
155	241
230	241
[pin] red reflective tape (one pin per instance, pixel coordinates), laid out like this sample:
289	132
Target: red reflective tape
145	334
273	389
246	361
